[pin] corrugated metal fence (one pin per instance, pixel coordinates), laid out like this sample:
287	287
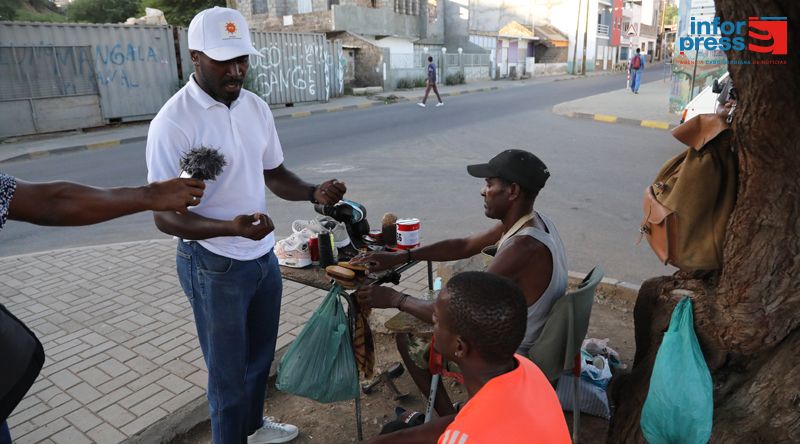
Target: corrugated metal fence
67	76
293	67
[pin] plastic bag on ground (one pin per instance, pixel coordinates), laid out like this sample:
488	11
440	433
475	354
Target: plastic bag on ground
319	364
679	407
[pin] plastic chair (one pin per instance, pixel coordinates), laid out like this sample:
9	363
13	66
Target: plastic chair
558	348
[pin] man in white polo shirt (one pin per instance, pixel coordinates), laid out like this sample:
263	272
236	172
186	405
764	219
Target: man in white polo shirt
225	262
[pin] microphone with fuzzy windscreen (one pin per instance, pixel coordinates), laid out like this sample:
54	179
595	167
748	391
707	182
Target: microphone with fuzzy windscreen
202	163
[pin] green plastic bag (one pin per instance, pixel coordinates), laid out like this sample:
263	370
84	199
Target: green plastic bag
680	405
320	364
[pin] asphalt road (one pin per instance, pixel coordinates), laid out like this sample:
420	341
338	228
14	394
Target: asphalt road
411	161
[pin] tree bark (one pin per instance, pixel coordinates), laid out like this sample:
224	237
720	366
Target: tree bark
747	315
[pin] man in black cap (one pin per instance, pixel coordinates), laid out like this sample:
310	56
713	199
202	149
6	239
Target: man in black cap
525	246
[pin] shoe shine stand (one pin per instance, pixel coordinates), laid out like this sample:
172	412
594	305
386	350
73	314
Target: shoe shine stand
315	277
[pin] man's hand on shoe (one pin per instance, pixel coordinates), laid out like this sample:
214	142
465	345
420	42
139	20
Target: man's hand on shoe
379	260
330	192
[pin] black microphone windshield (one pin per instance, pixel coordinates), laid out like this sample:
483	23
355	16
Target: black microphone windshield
203	163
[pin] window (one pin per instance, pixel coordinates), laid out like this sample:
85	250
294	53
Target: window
260	6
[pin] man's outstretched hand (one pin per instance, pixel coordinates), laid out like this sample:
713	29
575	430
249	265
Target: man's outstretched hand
175	194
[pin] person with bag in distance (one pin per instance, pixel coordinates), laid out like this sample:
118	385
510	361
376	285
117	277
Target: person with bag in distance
686	209
225	259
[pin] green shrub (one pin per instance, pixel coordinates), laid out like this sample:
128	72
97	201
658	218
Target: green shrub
407	83
420	82
455	79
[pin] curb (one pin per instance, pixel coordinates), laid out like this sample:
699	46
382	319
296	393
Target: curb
382	100
614	288
607	118
111	143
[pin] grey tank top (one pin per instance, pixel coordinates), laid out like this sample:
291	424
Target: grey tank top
537	313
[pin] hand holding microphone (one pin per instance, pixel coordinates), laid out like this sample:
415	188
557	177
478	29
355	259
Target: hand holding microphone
201	164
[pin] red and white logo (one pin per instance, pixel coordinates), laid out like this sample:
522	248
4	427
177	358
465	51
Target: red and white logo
767	35
230	31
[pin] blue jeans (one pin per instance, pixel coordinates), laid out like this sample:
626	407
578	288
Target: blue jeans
5	435
236	307
636	78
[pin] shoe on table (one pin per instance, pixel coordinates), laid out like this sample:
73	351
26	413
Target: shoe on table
273	432
421	104
440	104
293	251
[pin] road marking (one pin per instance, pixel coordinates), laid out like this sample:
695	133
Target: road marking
364	105
334	110
605	118
655	124
301	114
101	145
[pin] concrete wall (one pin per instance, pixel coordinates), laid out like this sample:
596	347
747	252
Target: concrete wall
492	15
368	60
456	19
393	44
311	22
371	21
431	22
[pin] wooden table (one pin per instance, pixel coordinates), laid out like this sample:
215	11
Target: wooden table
315	277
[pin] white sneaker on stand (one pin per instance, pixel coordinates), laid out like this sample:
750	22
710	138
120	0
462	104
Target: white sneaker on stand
272	432
293	251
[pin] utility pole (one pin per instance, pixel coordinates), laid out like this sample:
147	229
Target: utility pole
575	48
661	36
585	37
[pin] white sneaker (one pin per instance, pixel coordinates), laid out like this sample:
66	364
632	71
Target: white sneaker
273	432
324	223
440	104
293	252
421	104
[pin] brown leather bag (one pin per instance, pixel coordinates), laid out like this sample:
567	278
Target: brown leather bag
687	207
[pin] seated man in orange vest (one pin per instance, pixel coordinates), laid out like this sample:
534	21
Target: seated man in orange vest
479	320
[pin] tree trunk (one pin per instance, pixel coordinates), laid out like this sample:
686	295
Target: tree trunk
747	315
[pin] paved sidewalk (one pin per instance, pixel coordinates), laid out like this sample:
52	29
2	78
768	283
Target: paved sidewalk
649	108
123	362
24	148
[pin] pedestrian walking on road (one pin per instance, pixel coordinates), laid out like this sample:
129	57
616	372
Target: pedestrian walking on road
431	84
225	259
66	204
636	68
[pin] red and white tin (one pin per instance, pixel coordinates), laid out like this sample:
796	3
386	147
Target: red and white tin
407	233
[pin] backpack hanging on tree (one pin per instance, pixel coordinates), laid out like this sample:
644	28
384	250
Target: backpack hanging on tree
686	209
636	63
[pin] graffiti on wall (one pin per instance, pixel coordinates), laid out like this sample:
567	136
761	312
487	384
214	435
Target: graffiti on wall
297	72
114	63
275	71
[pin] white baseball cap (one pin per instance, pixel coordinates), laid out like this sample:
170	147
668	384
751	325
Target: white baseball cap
221	34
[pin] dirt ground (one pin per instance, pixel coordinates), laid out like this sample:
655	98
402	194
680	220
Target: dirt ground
335	423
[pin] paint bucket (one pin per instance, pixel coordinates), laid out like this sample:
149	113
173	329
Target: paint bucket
407	233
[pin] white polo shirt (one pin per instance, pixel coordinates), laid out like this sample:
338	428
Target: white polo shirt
244	133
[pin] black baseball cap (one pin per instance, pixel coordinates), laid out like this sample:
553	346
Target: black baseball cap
518	166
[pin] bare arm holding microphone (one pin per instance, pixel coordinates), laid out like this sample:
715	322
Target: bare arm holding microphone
71	204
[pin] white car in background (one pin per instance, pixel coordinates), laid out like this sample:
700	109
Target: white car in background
706	101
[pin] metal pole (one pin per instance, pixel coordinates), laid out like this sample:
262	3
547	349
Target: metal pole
585	38
694	72
575	48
